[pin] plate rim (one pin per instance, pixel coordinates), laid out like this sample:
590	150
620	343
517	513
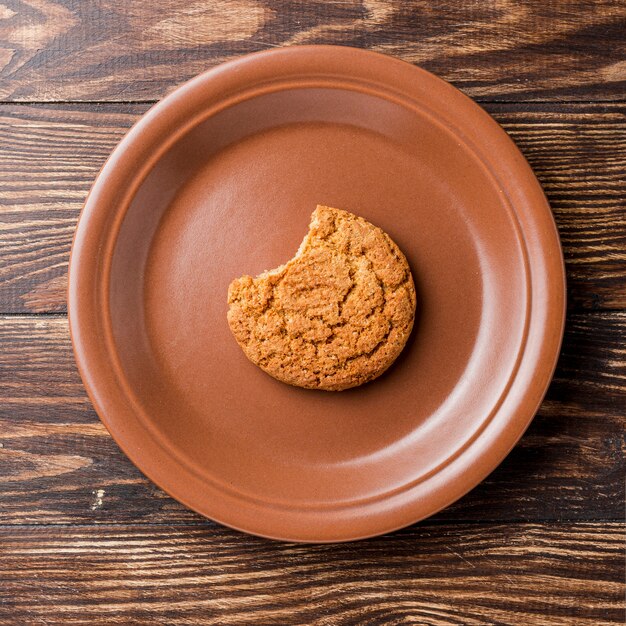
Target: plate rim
85	312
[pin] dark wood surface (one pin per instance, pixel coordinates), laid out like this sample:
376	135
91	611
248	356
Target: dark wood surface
465	574
84	537
120	51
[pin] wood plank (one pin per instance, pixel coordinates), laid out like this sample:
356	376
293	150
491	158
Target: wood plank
49	156
533	574
59	465
105	50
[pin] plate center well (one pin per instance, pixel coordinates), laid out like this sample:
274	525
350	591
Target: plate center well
235	197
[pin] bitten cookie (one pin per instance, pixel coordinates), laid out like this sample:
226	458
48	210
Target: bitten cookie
336	315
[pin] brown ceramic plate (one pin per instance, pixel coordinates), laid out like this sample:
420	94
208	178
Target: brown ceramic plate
219	179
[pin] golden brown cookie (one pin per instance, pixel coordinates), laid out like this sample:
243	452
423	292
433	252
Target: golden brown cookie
336	315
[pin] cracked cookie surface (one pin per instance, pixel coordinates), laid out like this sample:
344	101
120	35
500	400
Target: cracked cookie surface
336	315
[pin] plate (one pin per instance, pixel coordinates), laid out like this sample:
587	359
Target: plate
219	180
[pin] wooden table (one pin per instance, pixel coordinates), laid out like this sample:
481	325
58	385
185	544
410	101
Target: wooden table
86	538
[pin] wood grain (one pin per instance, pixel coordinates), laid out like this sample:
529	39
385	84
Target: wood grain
478	574
59	465
49	156
109	50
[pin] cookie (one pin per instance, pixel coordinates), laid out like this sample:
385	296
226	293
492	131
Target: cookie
336	315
